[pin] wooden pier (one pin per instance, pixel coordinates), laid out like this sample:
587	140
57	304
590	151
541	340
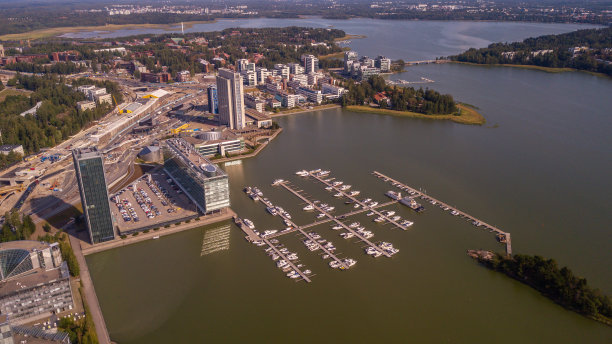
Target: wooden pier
504	235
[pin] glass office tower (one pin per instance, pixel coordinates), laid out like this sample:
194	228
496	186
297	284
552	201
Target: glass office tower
89	167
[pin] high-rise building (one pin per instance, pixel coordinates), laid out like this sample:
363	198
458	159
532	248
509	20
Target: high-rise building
89	168
213	101
231	99
311	64
242	64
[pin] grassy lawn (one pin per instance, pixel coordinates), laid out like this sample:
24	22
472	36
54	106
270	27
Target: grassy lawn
12	92
468	114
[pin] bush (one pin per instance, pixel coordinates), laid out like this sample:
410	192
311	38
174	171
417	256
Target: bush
167	226
178	223
156	228
146	231
135	234
123	236
187	221
47	227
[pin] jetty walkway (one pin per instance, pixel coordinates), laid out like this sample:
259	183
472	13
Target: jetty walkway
503	236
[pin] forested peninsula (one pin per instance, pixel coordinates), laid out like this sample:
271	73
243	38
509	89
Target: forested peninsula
587	50
558	284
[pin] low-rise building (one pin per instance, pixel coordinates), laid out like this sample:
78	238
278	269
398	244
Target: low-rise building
104	98
332	90
312	95
6	149
86	105
155	77
35	281
183	76
258	118
254	102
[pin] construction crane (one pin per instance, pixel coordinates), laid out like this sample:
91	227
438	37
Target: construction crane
6	189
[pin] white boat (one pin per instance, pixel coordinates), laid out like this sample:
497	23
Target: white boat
308	207
329	188
354	225
356	206
302	173
373	204
339	194
370	213
390	213
354	193
455	213
338	183
320	216
272	211
396	218
337	227
156	237
249	223
345	187
278	181
379	219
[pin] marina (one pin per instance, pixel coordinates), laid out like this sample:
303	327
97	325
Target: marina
313	240
502	236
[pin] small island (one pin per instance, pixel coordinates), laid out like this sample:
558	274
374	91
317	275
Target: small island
558	284
375	96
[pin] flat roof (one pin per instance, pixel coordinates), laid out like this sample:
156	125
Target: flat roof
257	115
28	245
86	153
186	151
31	279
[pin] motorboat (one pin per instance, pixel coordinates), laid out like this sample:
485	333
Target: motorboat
309	207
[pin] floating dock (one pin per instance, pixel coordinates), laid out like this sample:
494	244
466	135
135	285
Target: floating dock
503	236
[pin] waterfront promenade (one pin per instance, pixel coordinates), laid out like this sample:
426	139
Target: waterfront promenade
87	248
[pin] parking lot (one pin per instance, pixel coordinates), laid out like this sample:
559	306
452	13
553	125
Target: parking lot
149	200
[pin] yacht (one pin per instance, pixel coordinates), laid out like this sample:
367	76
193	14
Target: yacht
455	213
249	223
373	204
316	171
379	219
320	216
396	218
302	173
349	262
367	200
357	205
325	256
370	213
334	264
393	195
339	194
308	207
345	187
287	223
329	188
337	183
390	213
278	181
354	193
337	227
272	211
407	223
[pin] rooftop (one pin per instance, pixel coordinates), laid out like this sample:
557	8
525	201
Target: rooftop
186	152
86	153
33	278
27	245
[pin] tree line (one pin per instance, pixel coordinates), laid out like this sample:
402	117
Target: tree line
425	101
43	68
57	117
558	284
534	51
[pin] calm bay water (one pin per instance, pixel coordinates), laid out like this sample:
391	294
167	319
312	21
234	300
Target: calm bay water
539	169
397	39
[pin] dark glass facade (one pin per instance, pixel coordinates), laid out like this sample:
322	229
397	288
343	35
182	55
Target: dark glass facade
89	167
